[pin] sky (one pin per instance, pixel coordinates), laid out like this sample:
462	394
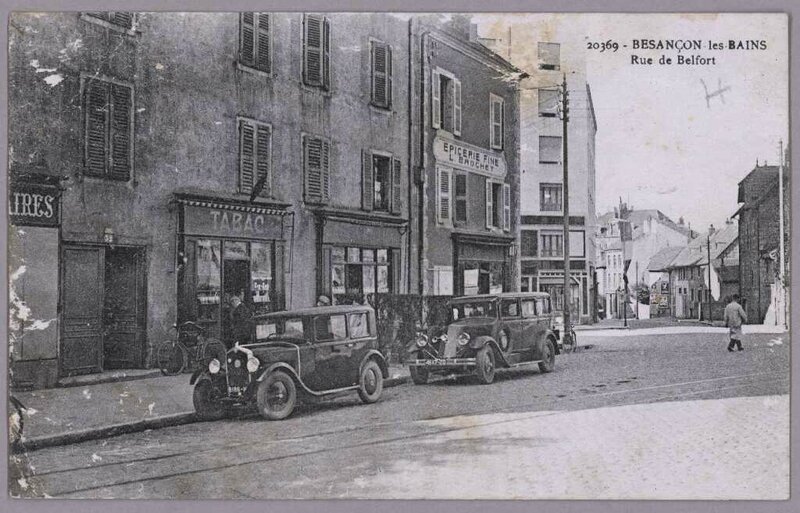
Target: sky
659	144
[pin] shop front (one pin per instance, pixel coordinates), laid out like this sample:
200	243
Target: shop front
230	247
482	262
358	254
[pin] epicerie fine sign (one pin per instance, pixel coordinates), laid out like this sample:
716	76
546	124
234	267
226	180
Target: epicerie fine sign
468	157
33	205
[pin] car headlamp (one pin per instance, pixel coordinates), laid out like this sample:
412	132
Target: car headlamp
463	339
422	340
252	364
214	366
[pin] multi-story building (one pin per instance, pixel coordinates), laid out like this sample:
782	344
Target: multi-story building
542	233
465	152
759	241
163	162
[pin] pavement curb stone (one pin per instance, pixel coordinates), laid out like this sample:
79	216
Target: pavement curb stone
163	421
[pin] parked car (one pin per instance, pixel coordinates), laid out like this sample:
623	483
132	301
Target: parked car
487	332
315	353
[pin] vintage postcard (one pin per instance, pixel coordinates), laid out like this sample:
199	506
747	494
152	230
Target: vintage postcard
327	255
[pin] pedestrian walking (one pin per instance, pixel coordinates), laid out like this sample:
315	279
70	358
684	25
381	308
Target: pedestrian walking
734	318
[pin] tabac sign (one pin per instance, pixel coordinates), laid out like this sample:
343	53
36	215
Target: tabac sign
33	204
223	222
468	157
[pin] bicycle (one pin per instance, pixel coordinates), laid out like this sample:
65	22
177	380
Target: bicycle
173	356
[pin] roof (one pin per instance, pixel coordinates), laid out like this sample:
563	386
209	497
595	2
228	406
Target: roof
316	310
661	260
696	252
638	217
502	295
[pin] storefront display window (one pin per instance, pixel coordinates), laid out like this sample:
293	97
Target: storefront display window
208	280
363	271
482	277
261	275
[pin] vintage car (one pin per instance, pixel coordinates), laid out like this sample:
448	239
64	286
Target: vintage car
487	332
312	353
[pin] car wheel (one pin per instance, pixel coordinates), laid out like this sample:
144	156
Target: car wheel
486	368
206	399
370	385
276	396
419	375
503	341
548	363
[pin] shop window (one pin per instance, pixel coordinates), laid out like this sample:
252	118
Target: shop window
552	244
446	101
460	180
255	147
548	103
529	243
108	129
358	271
261	271
316	51
381	67
255	44
316	162
549	149
550	197
482	277
209	290
549	56
496	115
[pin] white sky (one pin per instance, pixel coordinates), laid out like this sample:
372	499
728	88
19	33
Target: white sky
658	144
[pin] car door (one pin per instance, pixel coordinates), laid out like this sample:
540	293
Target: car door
543	320
530	319
512	321
331	353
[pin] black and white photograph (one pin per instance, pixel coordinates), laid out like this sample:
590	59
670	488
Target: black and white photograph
398	255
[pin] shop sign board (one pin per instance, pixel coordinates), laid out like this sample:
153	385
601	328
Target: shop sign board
469	157
33	204
230	223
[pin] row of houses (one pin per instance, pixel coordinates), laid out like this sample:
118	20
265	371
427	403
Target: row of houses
161	163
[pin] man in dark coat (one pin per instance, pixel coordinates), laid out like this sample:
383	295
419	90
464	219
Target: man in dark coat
734	318
239	322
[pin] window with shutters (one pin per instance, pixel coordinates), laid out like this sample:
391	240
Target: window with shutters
255	158
549	149
460	185
496	205
108	129
255	41
316	163
316	51
549	56
381	76
496	115
444	186
121	21
550	197
381	182
446	101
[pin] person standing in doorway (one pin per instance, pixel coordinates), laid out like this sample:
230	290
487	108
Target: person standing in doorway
734	318
239	320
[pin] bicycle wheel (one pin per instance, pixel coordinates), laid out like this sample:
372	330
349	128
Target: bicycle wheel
171	358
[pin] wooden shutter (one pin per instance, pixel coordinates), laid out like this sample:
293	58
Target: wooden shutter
496	122
246	156
313	162
279	290
312	51
263	147
324	285
444	195
460	180
489	205
97	120
326	171
396	286
123	19
388	76
456	107
247	38
397	190
436	100
263	60
379	73
506	207
121	114
367	180
326	53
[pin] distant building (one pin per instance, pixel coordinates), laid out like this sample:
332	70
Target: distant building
659	282
759	240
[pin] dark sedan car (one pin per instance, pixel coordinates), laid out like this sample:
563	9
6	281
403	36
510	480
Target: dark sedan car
316	352
487	332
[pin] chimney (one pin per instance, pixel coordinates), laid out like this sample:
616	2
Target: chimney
711	230
680	221
729	221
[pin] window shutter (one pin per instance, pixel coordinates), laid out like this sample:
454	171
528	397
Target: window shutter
367	181
388	76
312	58
326	171
324	287
436	100
121	115
379	73
444	195
313	161
397	180
496	122
96	104
506	207
263	51
123	19
396	271
456	107
489	205
247	38
326	53
263	158
460	180
246	156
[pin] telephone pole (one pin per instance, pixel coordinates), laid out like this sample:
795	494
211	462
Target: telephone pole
565	201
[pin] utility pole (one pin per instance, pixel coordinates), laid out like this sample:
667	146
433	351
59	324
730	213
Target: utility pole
565	201
708	255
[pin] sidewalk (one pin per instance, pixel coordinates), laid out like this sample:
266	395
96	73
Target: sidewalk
61	416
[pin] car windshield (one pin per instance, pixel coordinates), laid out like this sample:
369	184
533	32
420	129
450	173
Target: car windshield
289	328
484	308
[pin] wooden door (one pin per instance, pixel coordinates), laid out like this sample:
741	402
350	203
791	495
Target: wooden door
124	309
82	307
